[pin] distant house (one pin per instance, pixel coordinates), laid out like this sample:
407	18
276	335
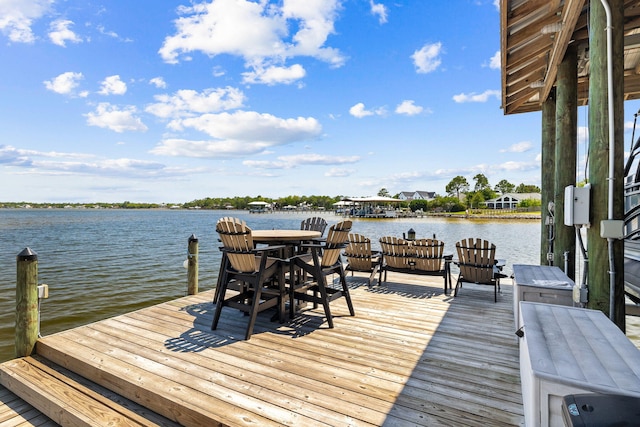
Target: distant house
511	200
417	195
424	195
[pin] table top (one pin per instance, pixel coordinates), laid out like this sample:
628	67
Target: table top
268	236
542	276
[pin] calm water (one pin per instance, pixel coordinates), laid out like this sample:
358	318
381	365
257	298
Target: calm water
101	263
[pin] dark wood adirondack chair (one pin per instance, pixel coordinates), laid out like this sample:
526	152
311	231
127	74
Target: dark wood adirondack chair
315	224
324	260
253	269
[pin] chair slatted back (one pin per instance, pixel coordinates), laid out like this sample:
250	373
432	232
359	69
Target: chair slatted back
428	254
236	238
358	252
314	224
477	260
397	252
337	237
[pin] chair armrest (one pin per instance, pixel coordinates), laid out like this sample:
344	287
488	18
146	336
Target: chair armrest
341	246
312	245
256	251
269	248
323	245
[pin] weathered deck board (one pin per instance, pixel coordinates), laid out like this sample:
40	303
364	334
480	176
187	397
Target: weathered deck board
410	356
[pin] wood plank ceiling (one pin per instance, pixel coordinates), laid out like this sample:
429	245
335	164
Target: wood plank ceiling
534	36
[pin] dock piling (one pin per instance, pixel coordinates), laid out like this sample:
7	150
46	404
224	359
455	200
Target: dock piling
26	302
192	267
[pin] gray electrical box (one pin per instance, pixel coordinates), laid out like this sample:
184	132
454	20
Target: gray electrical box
576	205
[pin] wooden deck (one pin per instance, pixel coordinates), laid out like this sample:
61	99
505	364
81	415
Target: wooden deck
410	356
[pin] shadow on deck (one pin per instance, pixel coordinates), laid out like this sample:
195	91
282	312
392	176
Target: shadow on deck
410	356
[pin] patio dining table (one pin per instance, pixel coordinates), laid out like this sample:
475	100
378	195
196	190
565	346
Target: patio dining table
284	237
292	240
288	238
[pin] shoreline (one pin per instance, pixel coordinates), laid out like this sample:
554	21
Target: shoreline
530	216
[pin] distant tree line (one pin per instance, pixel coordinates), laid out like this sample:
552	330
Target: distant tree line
97	205
325	202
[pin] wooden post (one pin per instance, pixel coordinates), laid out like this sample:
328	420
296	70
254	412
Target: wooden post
597	247
192	269
548	172
26	302
566	151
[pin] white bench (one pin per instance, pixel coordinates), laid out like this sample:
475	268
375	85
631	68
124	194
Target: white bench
567	350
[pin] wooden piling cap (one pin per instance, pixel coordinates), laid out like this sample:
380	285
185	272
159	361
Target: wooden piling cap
193	238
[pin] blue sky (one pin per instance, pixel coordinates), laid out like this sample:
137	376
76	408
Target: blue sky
171	101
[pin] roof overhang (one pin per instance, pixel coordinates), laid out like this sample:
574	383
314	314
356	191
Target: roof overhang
534	37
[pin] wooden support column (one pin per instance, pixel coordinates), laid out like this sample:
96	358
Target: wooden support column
565	160
548	164
598	278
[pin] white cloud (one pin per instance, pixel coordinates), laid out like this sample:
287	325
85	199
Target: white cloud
177	147
218	71
257	32
267	164
408	108
289	162
158	82
583	134
360	111
495	61
275	75
339	173
516	166
118	120
60	33
476	97
60	163
379	10
112	85
64	83
186	103
252	126
17	16
318	159
240	133
110	33
519	147
314	20
427	58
